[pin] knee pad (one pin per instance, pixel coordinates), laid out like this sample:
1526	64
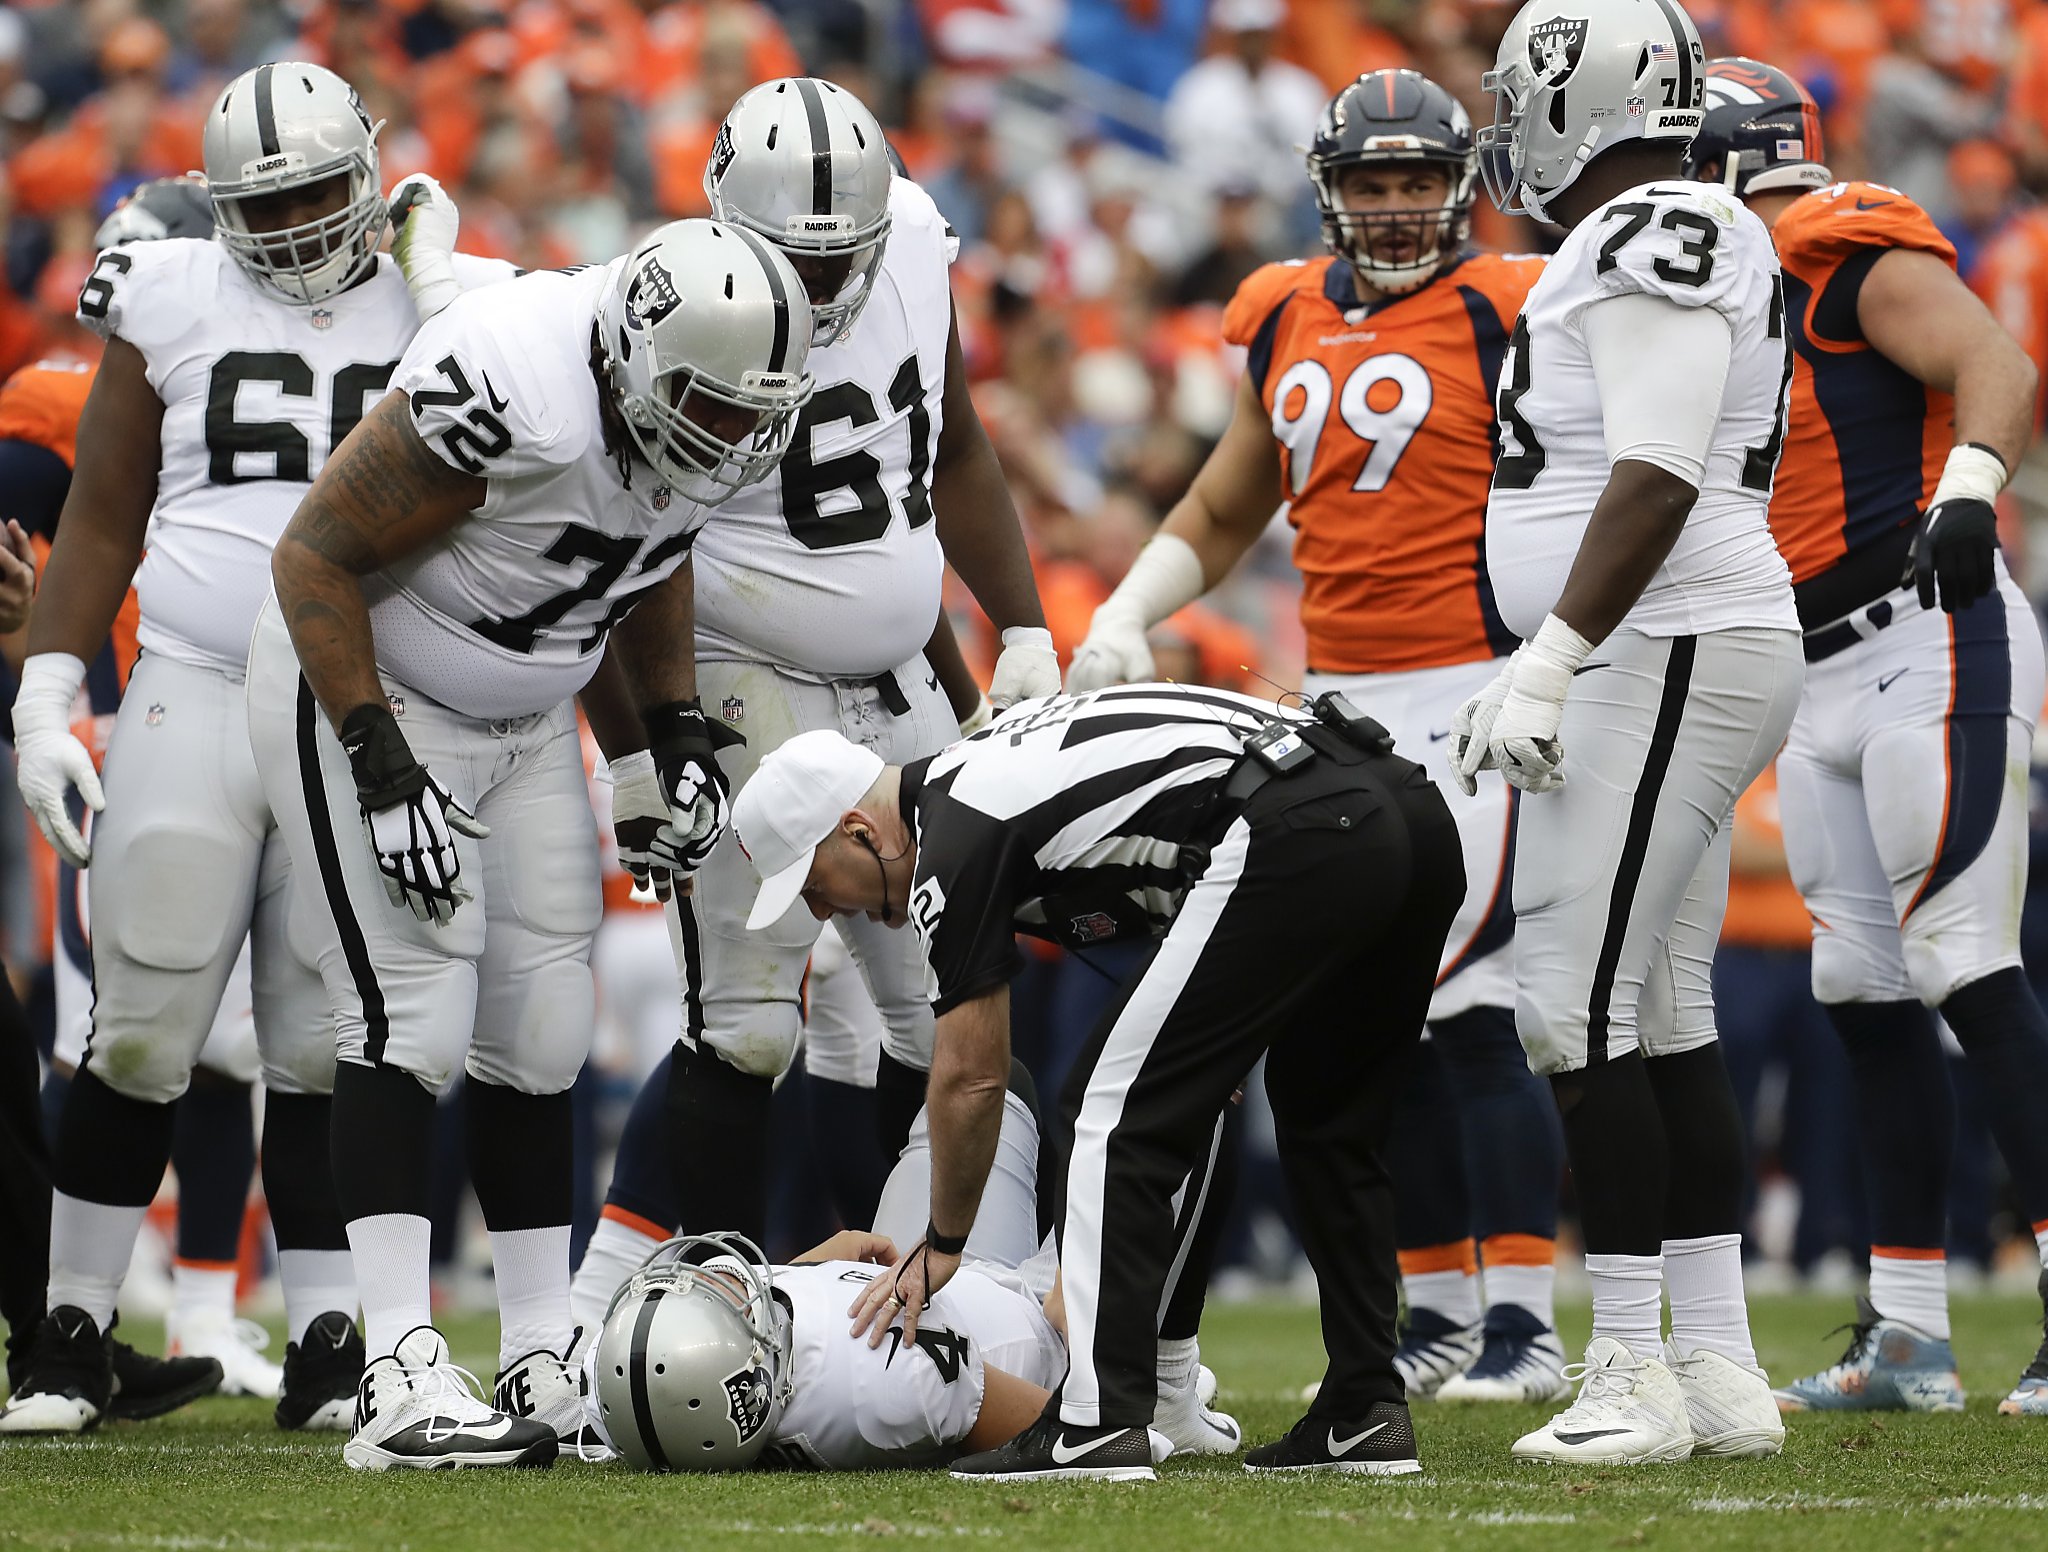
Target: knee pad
1552	1044
208	917
1848	969
757	1038
152	1065
541	1046
302	1064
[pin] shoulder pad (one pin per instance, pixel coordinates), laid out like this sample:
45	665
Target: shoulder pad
1266	288
1821	229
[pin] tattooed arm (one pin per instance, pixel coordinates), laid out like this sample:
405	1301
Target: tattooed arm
382	495
655	647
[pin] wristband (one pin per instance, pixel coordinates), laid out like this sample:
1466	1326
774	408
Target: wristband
944	1244
1164	579
1973	471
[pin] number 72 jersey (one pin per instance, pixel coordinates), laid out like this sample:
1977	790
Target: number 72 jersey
1691	245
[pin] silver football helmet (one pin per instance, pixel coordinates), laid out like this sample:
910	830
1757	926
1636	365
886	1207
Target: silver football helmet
704	334
803	163
1574	78
285	126
693	1363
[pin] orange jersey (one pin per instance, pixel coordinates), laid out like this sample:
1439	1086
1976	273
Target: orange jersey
2011	279
1764	910
1384	415
1866	440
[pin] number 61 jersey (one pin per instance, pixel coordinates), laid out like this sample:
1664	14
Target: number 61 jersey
1695	246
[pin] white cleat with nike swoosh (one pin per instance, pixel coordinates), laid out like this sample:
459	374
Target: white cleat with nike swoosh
1629	1411
1381	1444
417	1410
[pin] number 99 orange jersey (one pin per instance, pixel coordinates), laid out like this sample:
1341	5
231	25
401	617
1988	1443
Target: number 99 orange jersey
1384	416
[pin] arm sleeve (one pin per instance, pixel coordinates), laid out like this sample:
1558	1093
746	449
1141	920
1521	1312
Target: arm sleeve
1652	409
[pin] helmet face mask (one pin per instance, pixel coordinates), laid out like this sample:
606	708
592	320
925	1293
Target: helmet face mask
1394	123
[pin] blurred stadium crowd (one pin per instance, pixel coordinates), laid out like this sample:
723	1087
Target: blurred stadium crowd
1113	168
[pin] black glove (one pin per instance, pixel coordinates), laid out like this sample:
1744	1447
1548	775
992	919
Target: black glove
1957	545
685	745
409	818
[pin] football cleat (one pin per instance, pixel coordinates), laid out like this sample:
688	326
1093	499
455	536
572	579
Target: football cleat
1053	1451
1381	1444
1889	1367
321	1376
147	1387
1520	1359
1432	1349
236	1345
2029	1397
70	1381
1629	1411
416	1409
1190	1424
1730	1407
553	1390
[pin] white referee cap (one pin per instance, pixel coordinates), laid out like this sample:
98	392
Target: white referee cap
793	801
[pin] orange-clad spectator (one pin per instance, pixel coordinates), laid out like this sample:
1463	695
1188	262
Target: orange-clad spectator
2011	277
359	40
1970	40
672	59
1339	41
1764	910
681	144
2026	95
1831	45
463	93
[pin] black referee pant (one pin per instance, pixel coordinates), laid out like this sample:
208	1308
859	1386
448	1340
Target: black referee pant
24	1181
1313	937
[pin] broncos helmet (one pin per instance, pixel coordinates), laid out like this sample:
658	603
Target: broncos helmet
1386	118
162	207
1762	131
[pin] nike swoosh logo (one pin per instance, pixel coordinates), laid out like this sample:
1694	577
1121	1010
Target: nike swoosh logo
1891	679
1871	204
1582	1438
1342	1447
491	393
1062	1455
932	680
496	1430
1587	668
1437	738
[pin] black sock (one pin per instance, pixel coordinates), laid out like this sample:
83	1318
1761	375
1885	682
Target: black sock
110	1148
1506	1124
298	1173
899	1095
844	1136
718	1142
2000	1026
55	1087
382	1141
1614	1137
521	1156
643	1174
1906	1118
1425	1156
1703	1131
213	1149
24	1184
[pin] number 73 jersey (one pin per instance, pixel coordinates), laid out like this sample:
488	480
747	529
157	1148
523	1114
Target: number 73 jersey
1691	245
1384	418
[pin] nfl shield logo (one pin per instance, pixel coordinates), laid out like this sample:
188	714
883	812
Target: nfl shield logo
1095	927
1635	107
397	704
733	708
155	715
662	496
1554	48
322	318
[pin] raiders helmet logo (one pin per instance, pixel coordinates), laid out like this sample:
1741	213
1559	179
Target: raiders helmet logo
652	295
1554	48
722	152
746	1401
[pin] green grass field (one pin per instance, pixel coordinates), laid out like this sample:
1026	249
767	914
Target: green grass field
219	1476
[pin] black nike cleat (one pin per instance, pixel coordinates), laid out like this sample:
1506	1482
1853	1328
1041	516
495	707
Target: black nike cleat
1053	1451
1382	1444
70	1381
321	1375
149	1387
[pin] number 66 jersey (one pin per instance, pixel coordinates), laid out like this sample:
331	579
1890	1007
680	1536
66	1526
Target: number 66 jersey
1692	245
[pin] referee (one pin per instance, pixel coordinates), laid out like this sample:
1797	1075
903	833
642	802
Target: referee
1300	880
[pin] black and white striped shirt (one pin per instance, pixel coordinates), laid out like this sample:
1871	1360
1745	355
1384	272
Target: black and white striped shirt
1065	819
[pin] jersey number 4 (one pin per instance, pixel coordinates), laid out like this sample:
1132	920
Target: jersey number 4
807	480
1301	407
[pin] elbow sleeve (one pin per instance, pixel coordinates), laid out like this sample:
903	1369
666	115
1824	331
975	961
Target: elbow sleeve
1661	370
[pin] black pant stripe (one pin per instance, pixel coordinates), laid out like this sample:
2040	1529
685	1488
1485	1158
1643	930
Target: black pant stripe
1635	844
693	972
355	947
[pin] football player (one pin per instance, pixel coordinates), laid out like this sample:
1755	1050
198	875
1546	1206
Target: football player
817	590
1367	407
1904	783
1641	409
512	519
233	367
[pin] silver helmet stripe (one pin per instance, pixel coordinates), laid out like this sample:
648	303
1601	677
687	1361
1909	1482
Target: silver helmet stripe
266	112
1678	39
821	145
636	1360
778	351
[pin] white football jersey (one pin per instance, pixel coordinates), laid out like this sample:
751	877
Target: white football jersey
256	393
507	614
859	1408
831	566
1696	246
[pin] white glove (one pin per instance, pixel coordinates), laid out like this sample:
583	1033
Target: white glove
978	718
424	223
639	812
51	760
1472	727
1027	669
1523	741
1114	652
1164	579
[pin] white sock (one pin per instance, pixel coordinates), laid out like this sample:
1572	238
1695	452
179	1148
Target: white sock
533	1291
91	1245
390	1253
1531	1287
1628	1301
1453	1295
201	1288
315	1281
1708	1310
1913	1290
1177	1361
615	1252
